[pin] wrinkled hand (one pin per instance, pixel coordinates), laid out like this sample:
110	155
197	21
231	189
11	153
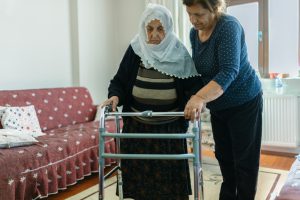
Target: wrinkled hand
113	101
193	108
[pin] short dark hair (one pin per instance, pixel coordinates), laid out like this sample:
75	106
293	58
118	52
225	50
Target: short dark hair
215	6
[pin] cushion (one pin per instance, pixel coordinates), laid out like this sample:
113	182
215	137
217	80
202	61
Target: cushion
23	119
14	138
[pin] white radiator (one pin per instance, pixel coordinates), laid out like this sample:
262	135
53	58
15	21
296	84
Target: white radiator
281	120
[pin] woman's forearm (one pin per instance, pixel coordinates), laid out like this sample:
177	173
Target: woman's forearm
210	92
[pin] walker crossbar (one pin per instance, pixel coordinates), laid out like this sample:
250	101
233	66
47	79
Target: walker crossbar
149	156
196	155
153	136
147	113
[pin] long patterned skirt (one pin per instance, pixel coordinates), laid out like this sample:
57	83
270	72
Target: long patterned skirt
155	179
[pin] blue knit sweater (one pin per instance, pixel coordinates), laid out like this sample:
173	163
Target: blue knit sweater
223	58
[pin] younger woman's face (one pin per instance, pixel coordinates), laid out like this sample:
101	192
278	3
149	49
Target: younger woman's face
155	32
200	17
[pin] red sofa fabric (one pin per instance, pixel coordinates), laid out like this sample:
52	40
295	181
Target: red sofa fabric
55	107
68	151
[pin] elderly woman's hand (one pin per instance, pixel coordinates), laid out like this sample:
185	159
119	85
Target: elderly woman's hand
113	101
193	108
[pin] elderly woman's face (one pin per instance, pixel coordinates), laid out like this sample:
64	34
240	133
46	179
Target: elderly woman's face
200	17
155	32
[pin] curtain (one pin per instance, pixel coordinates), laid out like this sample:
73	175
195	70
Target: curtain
181	21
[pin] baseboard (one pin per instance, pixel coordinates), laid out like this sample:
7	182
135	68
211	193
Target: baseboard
280	150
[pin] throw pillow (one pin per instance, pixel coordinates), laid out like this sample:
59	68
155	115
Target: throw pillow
23	119
13	138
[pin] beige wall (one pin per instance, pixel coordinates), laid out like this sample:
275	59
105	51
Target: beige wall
59	43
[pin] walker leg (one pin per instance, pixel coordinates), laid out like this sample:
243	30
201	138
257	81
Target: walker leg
101	165
201	182
101	152
101	182
198	175
119	172
198	183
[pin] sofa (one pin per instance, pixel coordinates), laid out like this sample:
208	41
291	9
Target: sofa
65	154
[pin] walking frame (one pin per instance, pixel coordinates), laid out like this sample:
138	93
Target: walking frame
196	155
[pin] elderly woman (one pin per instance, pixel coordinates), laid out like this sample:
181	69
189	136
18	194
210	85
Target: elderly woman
232	92
154	75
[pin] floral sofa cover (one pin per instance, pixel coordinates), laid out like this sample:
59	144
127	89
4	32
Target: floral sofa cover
68	151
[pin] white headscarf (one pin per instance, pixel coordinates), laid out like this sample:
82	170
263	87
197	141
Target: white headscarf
170	56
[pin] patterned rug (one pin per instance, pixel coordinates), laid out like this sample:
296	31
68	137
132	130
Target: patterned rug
270	182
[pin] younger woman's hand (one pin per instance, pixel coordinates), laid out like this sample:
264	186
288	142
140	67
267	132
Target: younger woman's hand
193	108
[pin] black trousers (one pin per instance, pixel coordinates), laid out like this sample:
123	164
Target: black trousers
237	134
